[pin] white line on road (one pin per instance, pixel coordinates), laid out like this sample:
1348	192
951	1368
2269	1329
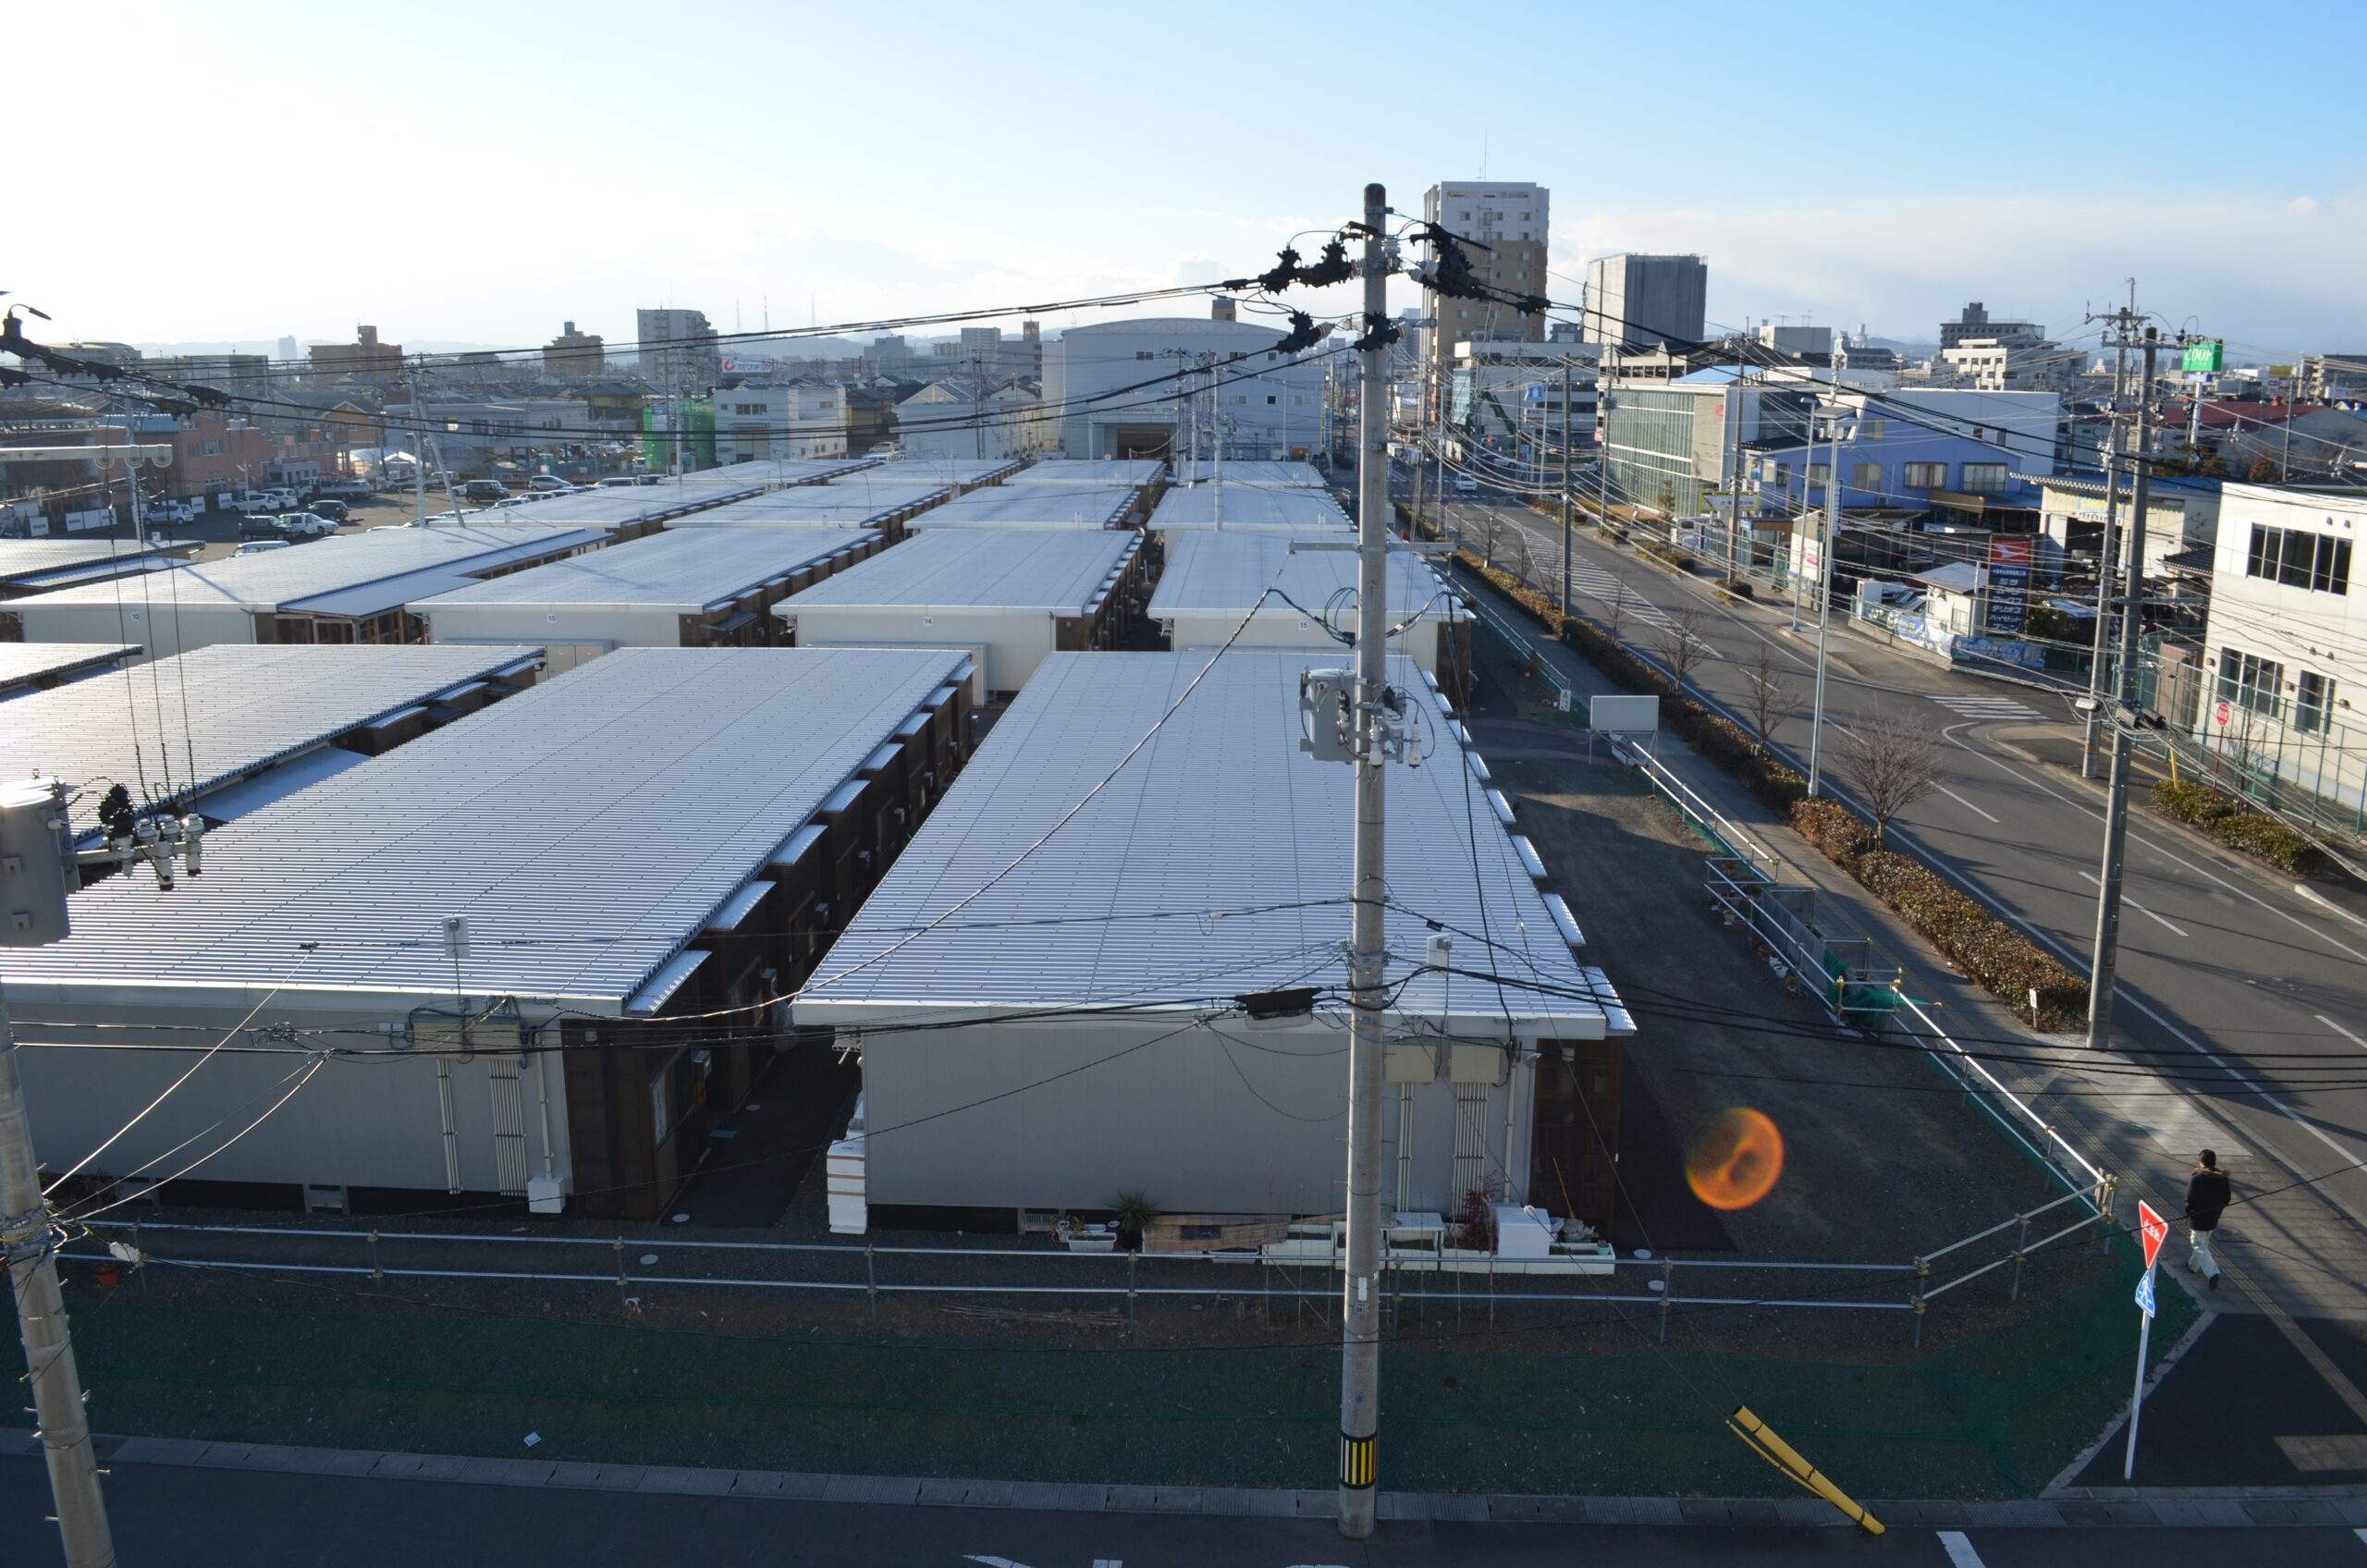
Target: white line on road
2340	1030
2135	905
1959	1549
1961	801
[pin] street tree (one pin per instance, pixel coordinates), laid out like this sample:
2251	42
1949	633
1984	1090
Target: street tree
1766	694
1891	764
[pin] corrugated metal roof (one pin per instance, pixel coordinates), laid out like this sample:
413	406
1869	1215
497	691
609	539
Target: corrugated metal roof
1060	572
1198	872
1272	475
22	664
1131	471
685	569
819	505
284	579
618	506
587	829
175	728
1032	506
1251	509
922	468
772	473
1208	570
28	557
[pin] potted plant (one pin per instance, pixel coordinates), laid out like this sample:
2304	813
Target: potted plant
1078	1236
1134	1212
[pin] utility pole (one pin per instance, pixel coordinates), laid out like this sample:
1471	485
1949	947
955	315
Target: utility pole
33	871
419	440
1360	1287
1835	426
1565	486
2124	323
2100	982
1734	479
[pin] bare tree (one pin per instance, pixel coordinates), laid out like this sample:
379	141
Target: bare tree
1681	645
1766	694
1891	764
1615	609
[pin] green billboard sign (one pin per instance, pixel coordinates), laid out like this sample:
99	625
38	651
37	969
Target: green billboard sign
2205	359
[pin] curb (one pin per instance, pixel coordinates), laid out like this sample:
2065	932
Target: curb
2212	1508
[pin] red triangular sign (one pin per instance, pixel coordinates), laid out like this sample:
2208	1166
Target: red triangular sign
2154	1228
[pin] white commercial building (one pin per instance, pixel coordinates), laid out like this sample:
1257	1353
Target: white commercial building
1081	1024
354	588
231	727
955	419
1250	509
1303	599
760	423
1008	596
516	932
696	588
1036	505
1173	385
2285	659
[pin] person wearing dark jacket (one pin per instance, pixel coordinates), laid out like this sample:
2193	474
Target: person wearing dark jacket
2207	1198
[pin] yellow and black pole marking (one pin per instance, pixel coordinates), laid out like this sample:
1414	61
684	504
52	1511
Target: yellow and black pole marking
1784	1457
1357	1465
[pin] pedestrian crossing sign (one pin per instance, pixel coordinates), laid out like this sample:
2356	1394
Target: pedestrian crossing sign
2145	1292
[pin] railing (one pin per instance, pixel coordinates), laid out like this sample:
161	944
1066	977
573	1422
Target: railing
2013	1114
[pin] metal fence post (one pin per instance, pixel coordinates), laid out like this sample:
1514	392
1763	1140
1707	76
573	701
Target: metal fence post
871	1284
376	1272
2104	1209
1668	1289
1130	1292
624	1281
2021	1241
1922	1278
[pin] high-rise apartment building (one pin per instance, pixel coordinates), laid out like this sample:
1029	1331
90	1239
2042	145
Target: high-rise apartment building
574	353
677	349
1509	218
1642	302
1975	322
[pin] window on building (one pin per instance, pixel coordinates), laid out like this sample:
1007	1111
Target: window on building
1984	479
1819	472
1925	476
1872	429
1270	397
2250	682
208	448
2312	701
1144	354
2298	558
1866	476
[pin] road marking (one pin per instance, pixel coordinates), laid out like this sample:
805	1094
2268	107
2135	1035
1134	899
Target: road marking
2138	907
2340	1030
1987	707
1959	1549
1961	801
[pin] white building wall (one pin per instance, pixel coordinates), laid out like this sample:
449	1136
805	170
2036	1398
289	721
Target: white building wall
1274	412
1011	644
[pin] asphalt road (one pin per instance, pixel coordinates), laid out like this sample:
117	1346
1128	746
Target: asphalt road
169	1515
2231	980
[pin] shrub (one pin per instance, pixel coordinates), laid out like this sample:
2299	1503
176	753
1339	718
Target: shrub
2183	802
1740	586
2248	832
1668	555
1838	833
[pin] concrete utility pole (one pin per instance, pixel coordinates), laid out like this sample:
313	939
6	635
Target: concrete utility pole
1565	486
33	890
1360	1288
2100	982
1838	426
2124	323
418	457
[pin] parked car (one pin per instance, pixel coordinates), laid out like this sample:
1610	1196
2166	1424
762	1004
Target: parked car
171	512
549	484
335	512
346	489
484	492
1465	485
278	496
306	525
617	481
262	546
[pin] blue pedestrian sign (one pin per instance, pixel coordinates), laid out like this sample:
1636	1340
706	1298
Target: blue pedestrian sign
2145	1292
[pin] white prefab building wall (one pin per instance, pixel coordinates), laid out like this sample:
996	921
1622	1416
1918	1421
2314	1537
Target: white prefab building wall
1081	1037
1012	596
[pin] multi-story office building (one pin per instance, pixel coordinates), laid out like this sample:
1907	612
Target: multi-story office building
1167	386
1975	322
1642	302
677	349
1509	218
574	353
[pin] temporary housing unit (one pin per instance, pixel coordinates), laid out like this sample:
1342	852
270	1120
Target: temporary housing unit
884	507
771	473
1131	472
1303	598
1011	596
1250	509
231	727
37	667
629	511
1036	506
354	588
696	588
42	566
1077	981
1262	475
545	943
962	474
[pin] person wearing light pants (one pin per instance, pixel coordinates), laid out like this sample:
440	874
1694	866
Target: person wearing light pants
2206	1199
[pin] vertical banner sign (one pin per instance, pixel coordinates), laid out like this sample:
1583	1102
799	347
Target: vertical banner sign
2153	1230
2009	583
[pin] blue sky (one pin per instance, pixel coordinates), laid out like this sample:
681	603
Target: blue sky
480	172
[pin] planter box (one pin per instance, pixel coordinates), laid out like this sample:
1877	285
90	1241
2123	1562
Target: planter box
1090	1243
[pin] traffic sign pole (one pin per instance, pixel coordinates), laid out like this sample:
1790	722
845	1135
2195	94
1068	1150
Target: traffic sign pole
2153	1230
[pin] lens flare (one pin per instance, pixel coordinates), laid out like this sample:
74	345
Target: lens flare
1736	1161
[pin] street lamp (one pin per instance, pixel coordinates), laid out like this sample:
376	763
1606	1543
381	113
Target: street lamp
1840	426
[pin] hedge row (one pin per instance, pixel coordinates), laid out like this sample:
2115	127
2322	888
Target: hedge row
2238	827
1998	958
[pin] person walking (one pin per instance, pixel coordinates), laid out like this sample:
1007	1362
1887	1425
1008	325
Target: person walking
2207	1198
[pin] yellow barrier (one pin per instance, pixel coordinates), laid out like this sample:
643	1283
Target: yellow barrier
1784	1457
